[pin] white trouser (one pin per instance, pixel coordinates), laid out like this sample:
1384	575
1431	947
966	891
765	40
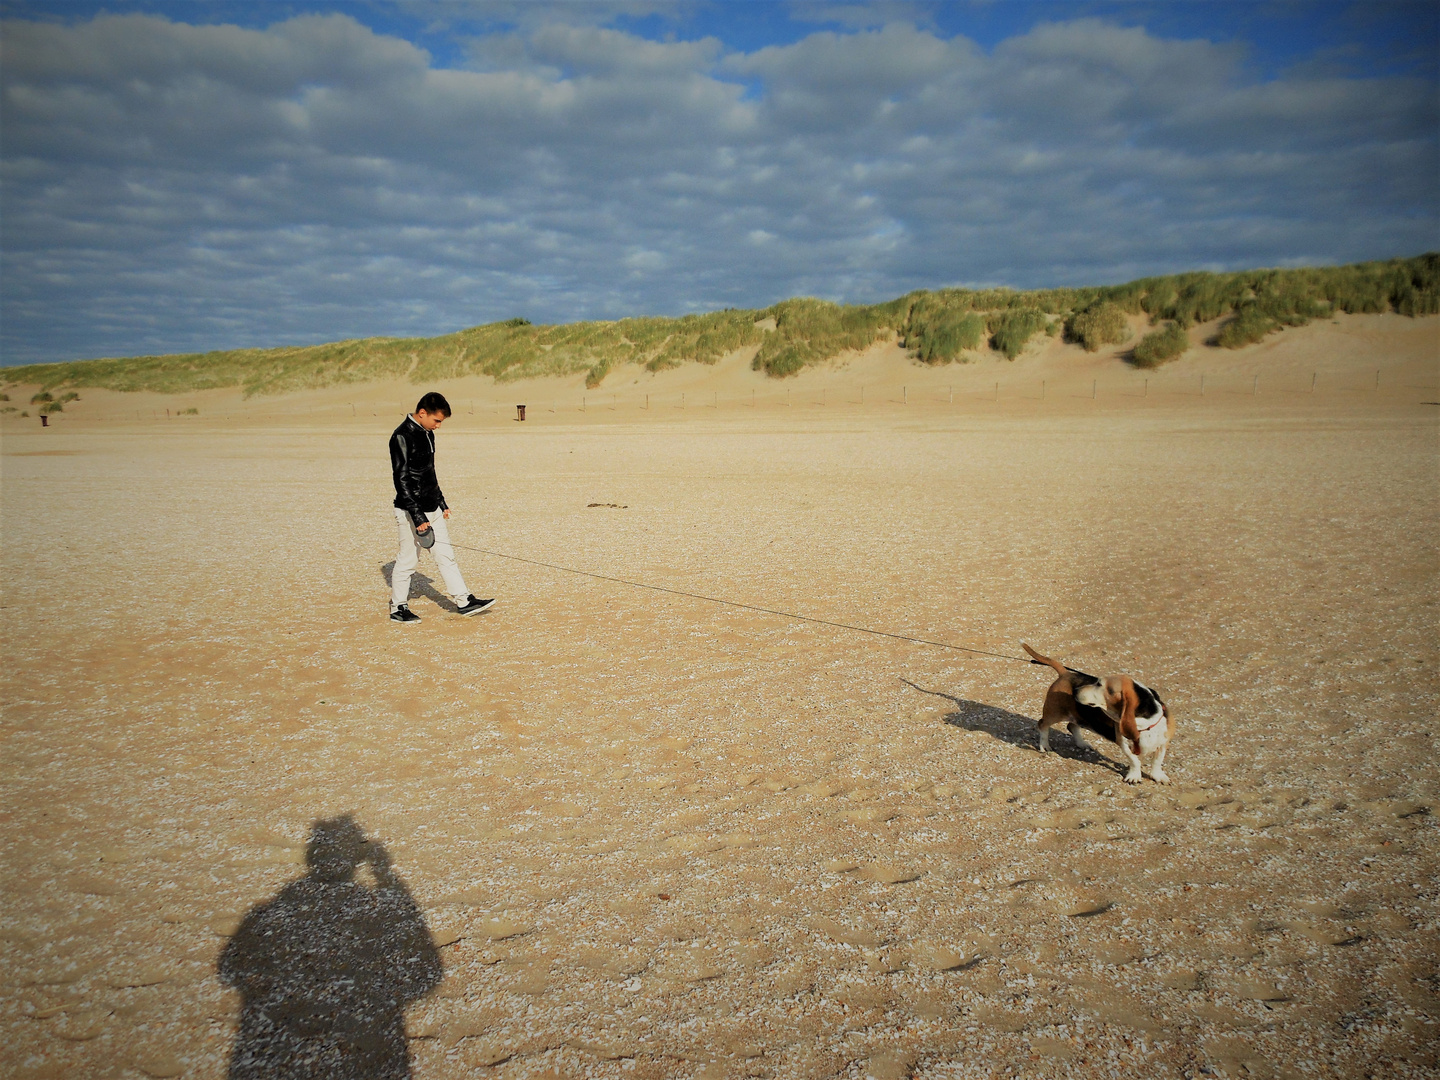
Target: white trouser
409	557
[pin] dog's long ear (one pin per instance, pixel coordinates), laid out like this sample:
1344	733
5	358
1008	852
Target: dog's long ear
1131	702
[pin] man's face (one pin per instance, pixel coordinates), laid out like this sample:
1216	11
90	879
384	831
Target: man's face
428	420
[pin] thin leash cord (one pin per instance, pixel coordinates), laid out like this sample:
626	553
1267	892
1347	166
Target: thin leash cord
737	604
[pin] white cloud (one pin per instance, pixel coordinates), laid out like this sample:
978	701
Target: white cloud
173	187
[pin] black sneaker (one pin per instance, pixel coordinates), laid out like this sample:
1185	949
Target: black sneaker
404	614
474	606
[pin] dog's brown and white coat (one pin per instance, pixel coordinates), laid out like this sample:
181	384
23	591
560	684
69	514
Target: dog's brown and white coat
1125	711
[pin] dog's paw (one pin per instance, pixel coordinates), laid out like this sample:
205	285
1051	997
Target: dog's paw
1160	776
1133	776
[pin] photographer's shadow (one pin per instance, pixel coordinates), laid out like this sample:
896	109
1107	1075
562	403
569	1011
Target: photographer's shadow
326	969
421	584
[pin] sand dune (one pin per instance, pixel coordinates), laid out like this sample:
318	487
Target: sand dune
1334	358
658	837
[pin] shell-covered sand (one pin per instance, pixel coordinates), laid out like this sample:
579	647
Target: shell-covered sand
654	836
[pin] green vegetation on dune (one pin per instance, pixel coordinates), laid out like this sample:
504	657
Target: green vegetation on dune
936	327
938	334
811	331
1160	346
1102	323
517	350
1011	331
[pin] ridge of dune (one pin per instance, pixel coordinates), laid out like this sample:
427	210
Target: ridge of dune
1343	355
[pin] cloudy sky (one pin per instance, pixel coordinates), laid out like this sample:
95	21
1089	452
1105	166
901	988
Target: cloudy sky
192	175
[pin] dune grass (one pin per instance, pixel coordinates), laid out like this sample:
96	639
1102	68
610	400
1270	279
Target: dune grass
936	327
939	335
1102	323
1160	346
1011	330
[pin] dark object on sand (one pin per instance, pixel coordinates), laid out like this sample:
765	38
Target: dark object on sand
326	969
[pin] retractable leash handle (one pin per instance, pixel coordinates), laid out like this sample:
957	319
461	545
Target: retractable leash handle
425	539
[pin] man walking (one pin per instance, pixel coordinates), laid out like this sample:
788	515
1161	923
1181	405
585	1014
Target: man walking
421	511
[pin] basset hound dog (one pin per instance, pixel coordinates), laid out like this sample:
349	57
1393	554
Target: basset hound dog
1126	712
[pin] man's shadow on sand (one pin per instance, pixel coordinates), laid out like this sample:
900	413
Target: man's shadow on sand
1013	728
327	967
425	586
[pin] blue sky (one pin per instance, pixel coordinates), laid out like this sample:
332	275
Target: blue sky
187	176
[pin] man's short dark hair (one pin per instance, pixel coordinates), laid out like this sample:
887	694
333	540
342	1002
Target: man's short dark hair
433	403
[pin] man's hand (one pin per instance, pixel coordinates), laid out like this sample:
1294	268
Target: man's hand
447	514
422	527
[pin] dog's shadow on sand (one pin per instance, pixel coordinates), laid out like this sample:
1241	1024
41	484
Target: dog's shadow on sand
1012	728
420	584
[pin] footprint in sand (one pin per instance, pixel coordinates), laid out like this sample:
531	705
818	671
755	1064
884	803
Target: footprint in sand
936	957
603	1049
78	1025
937	1006
1221	1017
885	961
692	842
499	928
1117	1009
887	874
889	1065
1252	989
463	1028
452	988
1084	908
1396	808
861	997
693	965
1184	979
1238	950
1055	1049
754	954
1005	792
870	815
616	964
846	935
1323	935
533	980
797	978
489	1053
1000	1018
158	1063
94	885
1116	953
143	976
1071	819
63	974
1239	1060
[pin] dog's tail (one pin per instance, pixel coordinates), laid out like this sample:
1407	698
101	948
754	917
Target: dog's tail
1038	659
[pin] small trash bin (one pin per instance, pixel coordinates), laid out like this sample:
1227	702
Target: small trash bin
45	420
519	412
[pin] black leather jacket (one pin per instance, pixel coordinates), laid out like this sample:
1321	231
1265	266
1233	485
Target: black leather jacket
412	460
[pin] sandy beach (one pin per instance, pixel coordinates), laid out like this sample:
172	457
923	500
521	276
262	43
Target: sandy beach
657	836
